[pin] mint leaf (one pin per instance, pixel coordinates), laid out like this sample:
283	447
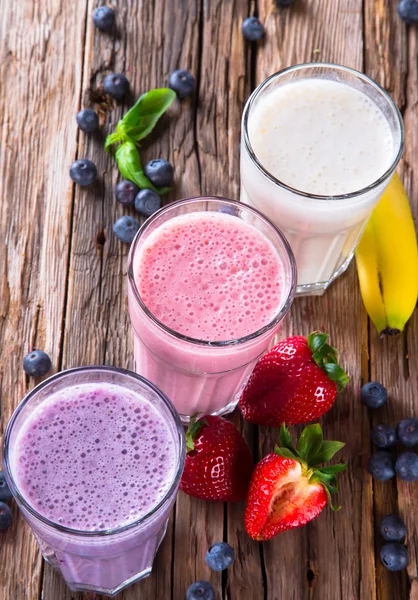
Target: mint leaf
129	164
310	441
141	119
112	138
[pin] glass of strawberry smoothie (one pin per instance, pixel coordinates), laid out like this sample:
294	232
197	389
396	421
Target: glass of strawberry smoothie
210	281
93	457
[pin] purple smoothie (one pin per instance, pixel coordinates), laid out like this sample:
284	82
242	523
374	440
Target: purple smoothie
107	452
93	457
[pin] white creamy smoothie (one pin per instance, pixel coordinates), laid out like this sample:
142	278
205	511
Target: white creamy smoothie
321	137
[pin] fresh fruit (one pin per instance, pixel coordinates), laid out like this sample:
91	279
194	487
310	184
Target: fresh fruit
200	590
408	432
116	85
83	171
6	516
295	382
36	363
87	120
382	466
383	436
125	229
407	466
287	488
147	202
252	29
5	493
218	461
394	556
104	18
387	261
182	82
408	11
393	528
373	395
159	172
220	556
126	191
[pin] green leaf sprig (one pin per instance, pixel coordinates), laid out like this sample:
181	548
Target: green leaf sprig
312	450
325	357
138	122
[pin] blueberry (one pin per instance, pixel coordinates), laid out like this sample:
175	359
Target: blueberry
220	556
87	120
116	85
182	82
381	466
227	210
373	394
159	172
408	11
5	493
394	556
393	528
147	202
383	436
37	363
6	516
200	590
252	29
125	229
83	171
408	432
407	466
104	18
126	191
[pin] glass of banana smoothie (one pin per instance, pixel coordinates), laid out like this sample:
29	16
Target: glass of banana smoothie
320	143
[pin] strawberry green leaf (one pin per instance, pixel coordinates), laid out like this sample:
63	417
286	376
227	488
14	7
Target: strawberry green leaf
333	469
193	429
310	441
337	374
285	453
316	340
285	439
326	452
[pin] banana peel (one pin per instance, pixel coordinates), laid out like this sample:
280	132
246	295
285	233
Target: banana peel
387	261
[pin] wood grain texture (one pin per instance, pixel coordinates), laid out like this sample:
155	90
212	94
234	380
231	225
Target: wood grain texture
63	274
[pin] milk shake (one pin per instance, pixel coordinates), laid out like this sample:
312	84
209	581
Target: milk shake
207	292
95	457
320	143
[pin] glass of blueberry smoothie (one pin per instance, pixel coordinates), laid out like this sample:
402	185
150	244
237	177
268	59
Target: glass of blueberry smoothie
210	280
93	457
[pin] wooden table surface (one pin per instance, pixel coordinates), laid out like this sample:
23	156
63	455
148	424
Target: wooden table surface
63	273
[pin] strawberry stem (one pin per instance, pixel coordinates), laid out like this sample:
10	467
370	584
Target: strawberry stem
193	429
325	356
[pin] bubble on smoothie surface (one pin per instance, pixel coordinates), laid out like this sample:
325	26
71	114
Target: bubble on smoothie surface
94	457
210	276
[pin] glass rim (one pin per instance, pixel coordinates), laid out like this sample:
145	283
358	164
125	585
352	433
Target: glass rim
336	67
215	344
102	532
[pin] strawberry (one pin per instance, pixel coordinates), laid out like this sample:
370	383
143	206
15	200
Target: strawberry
218	461
287	487
295	382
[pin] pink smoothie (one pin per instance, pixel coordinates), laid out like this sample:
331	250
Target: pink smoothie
216	279
94	457
210	276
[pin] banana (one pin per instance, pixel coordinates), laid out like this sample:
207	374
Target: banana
387	261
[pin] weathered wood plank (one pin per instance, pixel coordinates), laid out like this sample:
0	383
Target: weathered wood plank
344	540
38	99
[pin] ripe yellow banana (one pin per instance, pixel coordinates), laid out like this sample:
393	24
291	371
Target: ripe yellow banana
387	261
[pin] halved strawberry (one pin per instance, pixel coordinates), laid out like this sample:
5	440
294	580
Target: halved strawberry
295	382
287	488
218	461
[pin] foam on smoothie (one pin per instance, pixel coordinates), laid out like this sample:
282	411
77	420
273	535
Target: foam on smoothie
321	136
210	276
94	457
